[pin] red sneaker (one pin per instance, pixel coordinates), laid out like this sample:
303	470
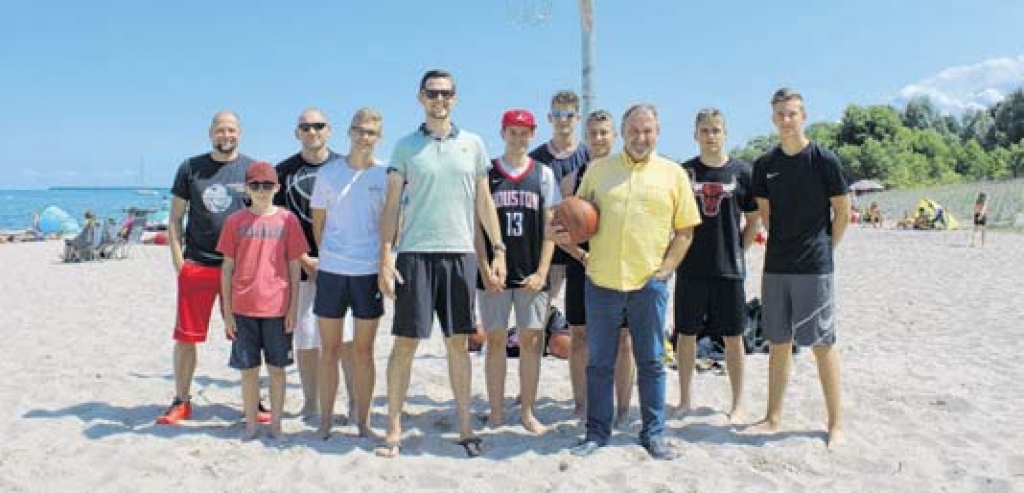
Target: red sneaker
178	411
263	415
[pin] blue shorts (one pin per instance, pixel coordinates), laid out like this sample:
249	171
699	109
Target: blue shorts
257	337
336	293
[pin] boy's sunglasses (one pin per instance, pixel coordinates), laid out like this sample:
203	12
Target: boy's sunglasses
262	185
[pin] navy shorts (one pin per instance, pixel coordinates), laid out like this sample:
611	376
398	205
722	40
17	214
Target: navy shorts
575	307
336	293
709	307
442	283
258	337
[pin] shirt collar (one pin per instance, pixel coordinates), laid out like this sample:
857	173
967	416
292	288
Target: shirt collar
453	133
632	163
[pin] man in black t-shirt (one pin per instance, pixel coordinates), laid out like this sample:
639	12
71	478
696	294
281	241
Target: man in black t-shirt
802	197
297	175
210	187
709	295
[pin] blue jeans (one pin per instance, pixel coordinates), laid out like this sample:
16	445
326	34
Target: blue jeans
644	310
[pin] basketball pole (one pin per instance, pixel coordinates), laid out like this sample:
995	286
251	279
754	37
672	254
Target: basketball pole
588	42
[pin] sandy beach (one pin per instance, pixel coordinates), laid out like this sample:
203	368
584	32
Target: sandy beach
931	337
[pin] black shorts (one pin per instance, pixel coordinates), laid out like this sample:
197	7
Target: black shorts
336	293
980	219
258	337
709	307
575	277
442	283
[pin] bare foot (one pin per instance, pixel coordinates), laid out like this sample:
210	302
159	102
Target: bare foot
735	415
251	432
763	427
681	410
367	432
496	420
533	426
391	447
324	432
836	438
621	420
275	429
310	410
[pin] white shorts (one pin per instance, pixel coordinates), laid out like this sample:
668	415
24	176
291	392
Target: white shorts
307	334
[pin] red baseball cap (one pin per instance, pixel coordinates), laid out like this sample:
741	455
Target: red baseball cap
518	118
261	171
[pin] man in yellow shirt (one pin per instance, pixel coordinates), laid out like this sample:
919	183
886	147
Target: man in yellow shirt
647	215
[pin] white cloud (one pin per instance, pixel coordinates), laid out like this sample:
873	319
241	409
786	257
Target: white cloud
977	86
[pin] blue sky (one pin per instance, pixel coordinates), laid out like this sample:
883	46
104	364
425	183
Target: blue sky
95	92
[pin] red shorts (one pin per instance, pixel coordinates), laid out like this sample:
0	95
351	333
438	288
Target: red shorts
198	288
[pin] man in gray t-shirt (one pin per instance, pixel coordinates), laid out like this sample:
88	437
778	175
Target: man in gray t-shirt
443	171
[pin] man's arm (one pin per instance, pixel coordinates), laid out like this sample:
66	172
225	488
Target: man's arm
175	228
752	224
840	217
487	214
764	210
674	255
227	270
388	231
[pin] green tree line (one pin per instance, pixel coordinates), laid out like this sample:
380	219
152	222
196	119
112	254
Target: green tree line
918	146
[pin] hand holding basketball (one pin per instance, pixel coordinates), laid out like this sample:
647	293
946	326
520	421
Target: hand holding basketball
578	217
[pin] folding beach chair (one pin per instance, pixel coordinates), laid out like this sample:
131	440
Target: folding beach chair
123	249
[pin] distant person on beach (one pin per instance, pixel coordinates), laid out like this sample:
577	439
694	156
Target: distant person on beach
441	170
709	297
74	247
980	217
262	245
874	215
645	227
297	176
347	204
563	154
210	187
802	197
524	191
600	136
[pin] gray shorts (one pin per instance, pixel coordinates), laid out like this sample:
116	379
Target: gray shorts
800	308
531	309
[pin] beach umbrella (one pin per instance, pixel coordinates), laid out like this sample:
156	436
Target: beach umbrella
53	219
866	186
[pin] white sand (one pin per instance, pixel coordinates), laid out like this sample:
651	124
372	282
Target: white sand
932	361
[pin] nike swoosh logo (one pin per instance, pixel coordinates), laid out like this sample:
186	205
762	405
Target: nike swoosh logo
772	175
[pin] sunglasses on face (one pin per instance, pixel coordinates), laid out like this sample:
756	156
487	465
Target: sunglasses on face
306	127
442	93
265	186
563	114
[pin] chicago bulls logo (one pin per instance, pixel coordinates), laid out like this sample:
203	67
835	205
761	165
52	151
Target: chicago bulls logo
711	195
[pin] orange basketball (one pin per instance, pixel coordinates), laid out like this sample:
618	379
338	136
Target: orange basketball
559	344
578	217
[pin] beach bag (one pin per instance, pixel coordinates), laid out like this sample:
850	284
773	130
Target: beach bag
557	325
753	333
512	344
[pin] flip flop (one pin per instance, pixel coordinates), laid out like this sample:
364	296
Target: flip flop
390	450
473	446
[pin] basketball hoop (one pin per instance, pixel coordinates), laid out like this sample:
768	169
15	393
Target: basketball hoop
530	12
